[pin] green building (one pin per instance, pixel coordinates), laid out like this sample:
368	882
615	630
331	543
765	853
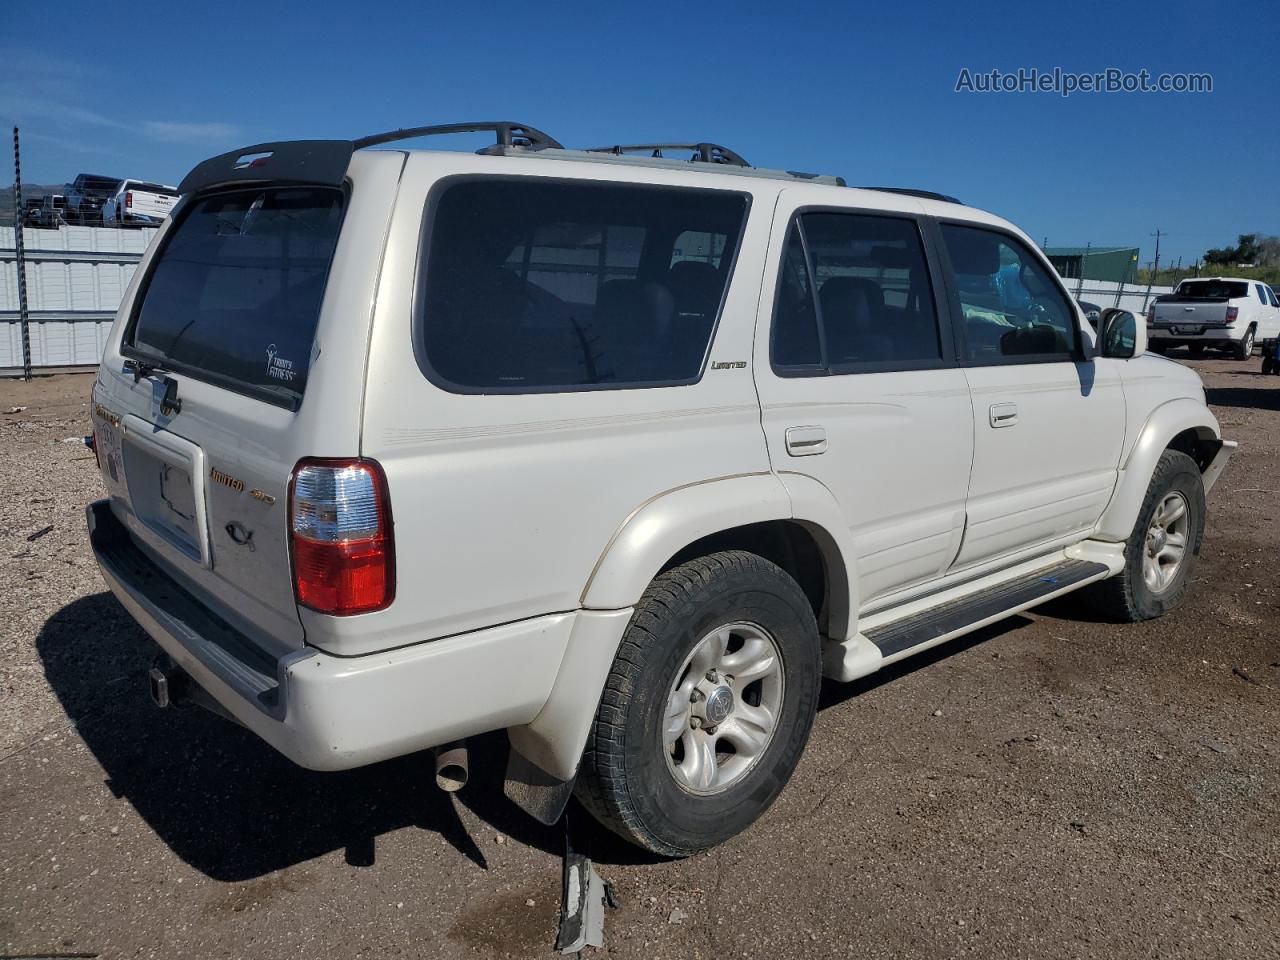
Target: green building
1115	264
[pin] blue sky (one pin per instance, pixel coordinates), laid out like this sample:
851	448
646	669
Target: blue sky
865	91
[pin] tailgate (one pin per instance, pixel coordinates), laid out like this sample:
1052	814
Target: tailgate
147	204
1191	313
233	311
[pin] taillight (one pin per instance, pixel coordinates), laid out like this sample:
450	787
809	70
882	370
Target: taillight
1232	313
128	198
340	533
1151	314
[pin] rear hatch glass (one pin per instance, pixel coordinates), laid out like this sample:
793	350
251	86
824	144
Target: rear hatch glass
234	295
1213	289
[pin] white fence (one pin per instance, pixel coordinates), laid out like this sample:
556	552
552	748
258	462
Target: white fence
1133	297
76	278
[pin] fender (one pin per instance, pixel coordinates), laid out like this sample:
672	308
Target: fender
661	526
554	740
1165	422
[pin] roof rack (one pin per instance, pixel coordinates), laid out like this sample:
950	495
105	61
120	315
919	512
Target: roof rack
509	135
923	194
703	152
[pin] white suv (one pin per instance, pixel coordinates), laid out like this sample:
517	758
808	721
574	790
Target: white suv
619	454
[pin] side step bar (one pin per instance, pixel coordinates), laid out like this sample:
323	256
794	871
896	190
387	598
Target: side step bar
1010	596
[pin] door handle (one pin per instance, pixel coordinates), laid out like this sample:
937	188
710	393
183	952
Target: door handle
1004	414
806	441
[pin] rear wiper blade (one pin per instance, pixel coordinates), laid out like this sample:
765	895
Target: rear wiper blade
142	368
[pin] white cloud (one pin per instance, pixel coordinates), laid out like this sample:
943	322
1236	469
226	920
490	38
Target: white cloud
171	131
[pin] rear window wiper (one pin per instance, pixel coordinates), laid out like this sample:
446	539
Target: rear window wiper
142	368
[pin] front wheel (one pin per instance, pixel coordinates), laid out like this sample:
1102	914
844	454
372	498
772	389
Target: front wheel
1244	349
707	707
1162	549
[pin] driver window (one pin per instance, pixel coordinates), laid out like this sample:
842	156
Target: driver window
1010	304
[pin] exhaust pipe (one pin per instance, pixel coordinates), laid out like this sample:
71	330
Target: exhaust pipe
452	766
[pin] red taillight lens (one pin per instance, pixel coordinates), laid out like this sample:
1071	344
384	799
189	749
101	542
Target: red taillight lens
1232	314
340	533
1151	314
128	198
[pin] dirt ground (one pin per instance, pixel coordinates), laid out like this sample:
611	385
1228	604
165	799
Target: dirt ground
1087	790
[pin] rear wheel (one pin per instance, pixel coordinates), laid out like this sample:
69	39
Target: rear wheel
1244	349
1162	549
708	705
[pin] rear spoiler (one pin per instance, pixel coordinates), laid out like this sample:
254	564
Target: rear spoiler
322	162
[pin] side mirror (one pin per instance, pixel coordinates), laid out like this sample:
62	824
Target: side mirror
1120	334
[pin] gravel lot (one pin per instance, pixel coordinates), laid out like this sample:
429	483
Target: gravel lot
1088	790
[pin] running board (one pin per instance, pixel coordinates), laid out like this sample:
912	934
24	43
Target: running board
951	619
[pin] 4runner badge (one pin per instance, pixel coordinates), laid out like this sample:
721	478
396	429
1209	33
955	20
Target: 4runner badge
728	364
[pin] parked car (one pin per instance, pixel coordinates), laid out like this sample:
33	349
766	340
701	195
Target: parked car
85	197
1218	312
620	454
1092	312
139	202
53	210
31	208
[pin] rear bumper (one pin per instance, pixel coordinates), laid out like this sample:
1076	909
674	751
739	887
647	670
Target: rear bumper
1212	335
333	713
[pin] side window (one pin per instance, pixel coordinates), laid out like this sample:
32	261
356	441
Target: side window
1010	305
795	342
1274	302
855	294
1262	294
541	285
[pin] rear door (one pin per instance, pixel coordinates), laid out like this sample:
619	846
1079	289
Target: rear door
221	375
1048	422
858	383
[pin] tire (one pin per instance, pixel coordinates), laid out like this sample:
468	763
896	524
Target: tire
1244	349
1129	596
635	776
1196	350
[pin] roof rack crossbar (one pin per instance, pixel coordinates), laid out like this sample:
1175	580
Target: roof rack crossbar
704	152
509	134
909	192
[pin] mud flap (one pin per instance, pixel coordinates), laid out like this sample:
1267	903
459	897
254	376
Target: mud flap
534	790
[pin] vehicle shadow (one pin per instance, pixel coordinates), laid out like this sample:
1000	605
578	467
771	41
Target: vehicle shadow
224	801
1259	398
233	808
834	694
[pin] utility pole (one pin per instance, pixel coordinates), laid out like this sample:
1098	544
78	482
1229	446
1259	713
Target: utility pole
21	259
1155	268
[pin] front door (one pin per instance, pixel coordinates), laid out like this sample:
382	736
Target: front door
1048	423
859	388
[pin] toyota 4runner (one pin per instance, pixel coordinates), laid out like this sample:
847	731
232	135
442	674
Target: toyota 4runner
620	454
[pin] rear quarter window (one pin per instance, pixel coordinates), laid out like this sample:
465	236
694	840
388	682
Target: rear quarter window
234	295
533	285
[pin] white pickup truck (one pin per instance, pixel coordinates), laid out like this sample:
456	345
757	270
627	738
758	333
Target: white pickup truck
1220	312
136	201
